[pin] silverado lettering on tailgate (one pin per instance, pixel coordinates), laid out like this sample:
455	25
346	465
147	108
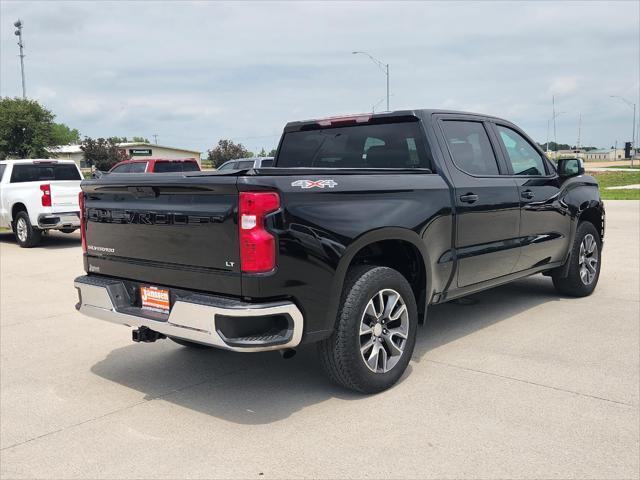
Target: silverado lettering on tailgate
140	217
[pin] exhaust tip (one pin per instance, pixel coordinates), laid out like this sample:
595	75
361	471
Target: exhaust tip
287	353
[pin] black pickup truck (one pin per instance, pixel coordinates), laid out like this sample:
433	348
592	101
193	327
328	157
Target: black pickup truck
360	226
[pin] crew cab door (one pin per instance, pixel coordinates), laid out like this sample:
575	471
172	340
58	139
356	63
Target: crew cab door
544	222
487	202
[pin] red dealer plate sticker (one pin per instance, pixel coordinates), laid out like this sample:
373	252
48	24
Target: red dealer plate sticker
156	299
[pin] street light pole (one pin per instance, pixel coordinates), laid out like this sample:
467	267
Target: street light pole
18	33
383	66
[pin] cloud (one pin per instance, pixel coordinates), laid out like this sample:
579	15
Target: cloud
563	86
194	72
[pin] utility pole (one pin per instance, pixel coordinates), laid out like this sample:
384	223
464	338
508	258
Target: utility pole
555	137
579	125
633	135
18	33
155	138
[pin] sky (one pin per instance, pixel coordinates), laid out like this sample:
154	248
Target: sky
196	72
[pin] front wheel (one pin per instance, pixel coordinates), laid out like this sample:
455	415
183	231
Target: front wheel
375	331
27	235
584	268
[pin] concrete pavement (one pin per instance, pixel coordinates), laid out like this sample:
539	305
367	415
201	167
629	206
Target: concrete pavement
521	383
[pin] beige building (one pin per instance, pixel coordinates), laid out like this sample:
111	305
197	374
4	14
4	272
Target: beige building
131	150
607	154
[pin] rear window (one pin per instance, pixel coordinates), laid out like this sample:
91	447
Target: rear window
38	173
391	145
267	163
3	167
167	167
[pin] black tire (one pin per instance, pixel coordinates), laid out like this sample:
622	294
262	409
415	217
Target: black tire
26	234
187	343
340	354
68	230
573	284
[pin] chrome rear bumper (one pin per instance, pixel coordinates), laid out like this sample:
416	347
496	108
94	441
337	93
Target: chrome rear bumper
192	317
59	220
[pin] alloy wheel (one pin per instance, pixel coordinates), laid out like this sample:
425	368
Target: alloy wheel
384	329
588	259
21	229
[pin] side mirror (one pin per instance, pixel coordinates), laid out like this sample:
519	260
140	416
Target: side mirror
570	167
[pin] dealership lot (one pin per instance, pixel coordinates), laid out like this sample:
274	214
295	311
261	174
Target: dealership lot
515	382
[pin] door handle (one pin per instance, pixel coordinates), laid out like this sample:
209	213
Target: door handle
469	198
528	194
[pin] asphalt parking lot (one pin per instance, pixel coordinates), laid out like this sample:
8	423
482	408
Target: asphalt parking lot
516	383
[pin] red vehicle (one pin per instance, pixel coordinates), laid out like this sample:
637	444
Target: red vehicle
156	165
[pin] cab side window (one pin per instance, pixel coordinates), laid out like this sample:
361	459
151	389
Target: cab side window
126	168
470	147
524	159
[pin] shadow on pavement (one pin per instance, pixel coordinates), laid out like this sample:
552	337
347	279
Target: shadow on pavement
262	388
50	241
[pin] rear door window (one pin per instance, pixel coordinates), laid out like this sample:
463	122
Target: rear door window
244	164
44	172
190	167
167	167
524	159
3	167
138	167
389	145
470	147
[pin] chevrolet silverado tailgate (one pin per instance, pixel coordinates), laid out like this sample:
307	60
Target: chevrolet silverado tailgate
164	229
64	196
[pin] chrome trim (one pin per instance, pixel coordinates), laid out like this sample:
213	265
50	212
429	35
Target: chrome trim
189	321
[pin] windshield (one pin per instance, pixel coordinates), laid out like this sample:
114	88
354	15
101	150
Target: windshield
392	145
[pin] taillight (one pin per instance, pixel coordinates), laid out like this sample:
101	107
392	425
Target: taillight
46	195
83	227
257	245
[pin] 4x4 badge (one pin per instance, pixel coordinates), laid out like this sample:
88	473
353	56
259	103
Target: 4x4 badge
314	183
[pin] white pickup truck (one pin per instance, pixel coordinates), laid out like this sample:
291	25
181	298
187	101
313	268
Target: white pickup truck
37	196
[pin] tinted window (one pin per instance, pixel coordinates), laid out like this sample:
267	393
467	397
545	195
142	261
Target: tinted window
38	173
166	167
266	163
3	167
227	166
470	147
138	167
244	164
125	168
524	159
190	167
392	145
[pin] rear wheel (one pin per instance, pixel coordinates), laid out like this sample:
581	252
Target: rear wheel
26	234
375	332
584	268
187	343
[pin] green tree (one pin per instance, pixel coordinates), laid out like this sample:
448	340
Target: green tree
63	135
26	129
127	140
227	150
272	152
102	153
262	153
